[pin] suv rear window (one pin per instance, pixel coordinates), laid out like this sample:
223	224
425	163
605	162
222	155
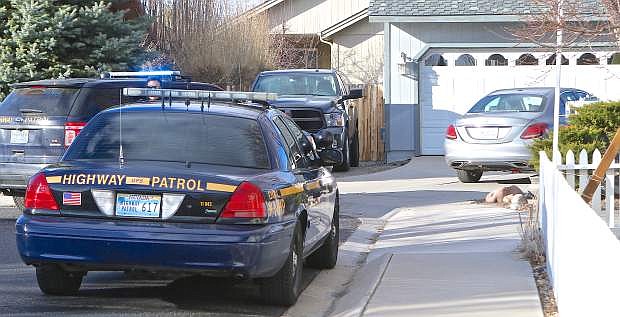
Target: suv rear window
45	100
172	137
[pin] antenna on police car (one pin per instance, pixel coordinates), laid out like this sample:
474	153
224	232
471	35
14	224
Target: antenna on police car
121	158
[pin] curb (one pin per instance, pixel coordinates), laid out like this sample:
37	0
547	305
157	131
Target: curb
354	303
318	298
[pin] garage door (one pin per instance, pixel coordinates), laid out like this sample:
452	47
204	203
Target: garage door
451	83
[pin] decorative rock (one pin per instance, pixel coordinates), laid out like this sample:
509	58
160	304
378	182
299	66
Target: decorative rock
497	196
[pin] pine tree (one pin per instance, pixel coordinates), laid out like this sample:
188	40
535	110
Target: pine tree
65	38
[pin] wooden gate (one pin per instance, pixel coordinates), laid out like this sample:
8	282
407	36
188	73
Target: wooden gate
370	122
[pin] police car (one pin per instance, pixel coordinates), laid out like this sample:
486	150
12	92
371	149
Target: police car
213	183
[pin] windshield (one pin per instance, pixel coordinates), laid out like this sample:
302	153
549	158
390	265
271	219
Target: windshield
33	100
172	137
510	103
315	84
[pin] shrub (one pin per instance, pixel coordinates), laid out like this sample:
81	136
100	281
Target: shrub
593	127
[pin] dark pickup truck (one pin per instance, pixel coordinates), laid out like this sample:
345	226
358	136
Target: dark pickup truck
317	100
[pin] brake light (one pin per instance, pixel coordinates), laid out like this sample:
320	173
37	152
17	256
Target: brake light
72	129
39	195
451	132
247	201
535	130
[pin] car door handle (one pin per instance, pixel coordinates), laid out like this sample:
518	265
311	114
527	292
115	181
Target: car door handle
18	151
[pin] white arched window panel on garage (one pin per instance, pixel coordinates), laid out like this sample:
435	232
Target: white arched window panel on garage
588	59
496	60
613	59
435	60
551	60
465	60
526	60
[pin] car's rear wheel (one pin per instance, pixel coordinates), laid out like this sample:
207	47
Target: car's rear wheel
284	288
469	176
327	255
53	280
19	202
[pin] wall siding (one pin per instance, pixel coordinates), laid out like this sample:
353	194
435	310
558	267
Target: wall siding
358	52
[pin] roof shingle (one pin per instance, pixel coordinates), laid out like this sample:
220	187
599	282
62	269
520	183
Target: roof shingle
463	7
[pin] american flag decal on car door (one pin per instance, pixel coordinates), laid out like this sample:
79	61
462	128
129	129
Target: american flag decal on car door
72	199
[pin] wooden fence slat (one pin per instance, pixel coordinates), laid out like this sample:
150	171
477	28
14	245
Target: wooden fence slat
370	113
570	173
596	199
583	174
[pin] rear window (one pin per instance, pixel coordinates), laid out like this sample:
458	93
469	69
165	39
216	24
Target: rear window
173	137
510	103
44	100
94	100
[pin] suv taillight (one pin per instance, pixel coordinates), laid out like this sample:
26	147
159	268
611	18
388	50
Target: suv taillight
39	195
246	202
535	130
451	132
71	131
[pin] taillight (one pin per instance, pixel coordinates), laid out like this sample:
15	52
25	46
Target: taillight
39	195
535	130
451	132
72	129
246	202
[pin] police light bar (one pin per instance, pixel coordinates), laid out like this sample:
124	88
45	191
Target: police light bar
141	74
199	94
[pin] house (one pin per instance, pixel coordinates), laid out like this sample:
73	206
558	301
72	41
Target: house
329	34
442	56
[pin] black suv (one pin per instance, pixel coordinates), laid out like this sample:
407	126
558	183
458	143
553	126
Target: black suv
317	99
40	119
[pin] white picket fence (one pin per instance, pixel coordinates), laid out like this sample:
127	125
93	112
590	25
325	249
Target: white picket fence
578	174
583	255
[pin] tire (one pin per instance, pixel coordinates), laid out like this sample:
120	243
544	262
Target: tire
346	157
53	280
283	288
19	202
355	151
469	176
326	256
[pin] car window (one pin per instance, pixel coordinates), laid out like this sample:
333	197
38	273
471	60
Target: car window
45	100
94	100
510	103
317	84
296	156
174	137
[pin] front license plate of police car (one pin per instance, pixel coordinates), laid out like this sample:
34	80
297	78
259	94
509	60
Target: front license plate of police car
19	136
138	205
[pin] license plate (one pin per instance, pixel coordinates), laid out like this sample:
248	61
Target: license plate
483	133
19	136
138	205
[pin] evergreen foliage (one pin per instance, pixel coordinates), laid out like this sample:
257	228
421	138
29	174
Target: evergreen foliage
593	127
42	39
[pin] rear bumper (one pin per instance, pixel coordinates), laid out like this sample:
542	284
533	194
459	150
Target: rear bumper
488	157
99	244
15	176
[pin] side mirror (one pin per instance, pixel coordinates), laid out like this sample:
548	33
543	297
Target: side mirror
323	139
308	144
331	157
355	94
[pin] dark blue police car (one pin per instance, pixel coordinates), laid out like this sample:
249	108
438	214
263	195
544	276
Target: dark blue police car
194	184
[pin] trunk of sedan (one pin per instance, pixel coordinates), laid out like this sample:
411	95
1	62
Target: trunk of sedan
493	128
161	192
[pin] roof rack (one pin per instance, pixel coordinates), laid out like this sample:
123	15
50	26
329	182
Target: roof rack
170	73
236	97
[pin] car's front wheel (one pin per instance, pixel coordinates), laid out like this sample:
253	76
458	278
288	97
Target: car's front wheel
53	280
346	157
469	176
284	288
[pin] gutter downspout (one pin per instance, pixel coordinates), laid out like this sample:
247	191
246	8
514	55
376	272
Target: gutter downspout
331	50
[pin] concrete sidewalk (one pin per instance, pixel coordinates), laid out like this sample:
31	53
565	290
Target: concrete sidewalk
452	260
